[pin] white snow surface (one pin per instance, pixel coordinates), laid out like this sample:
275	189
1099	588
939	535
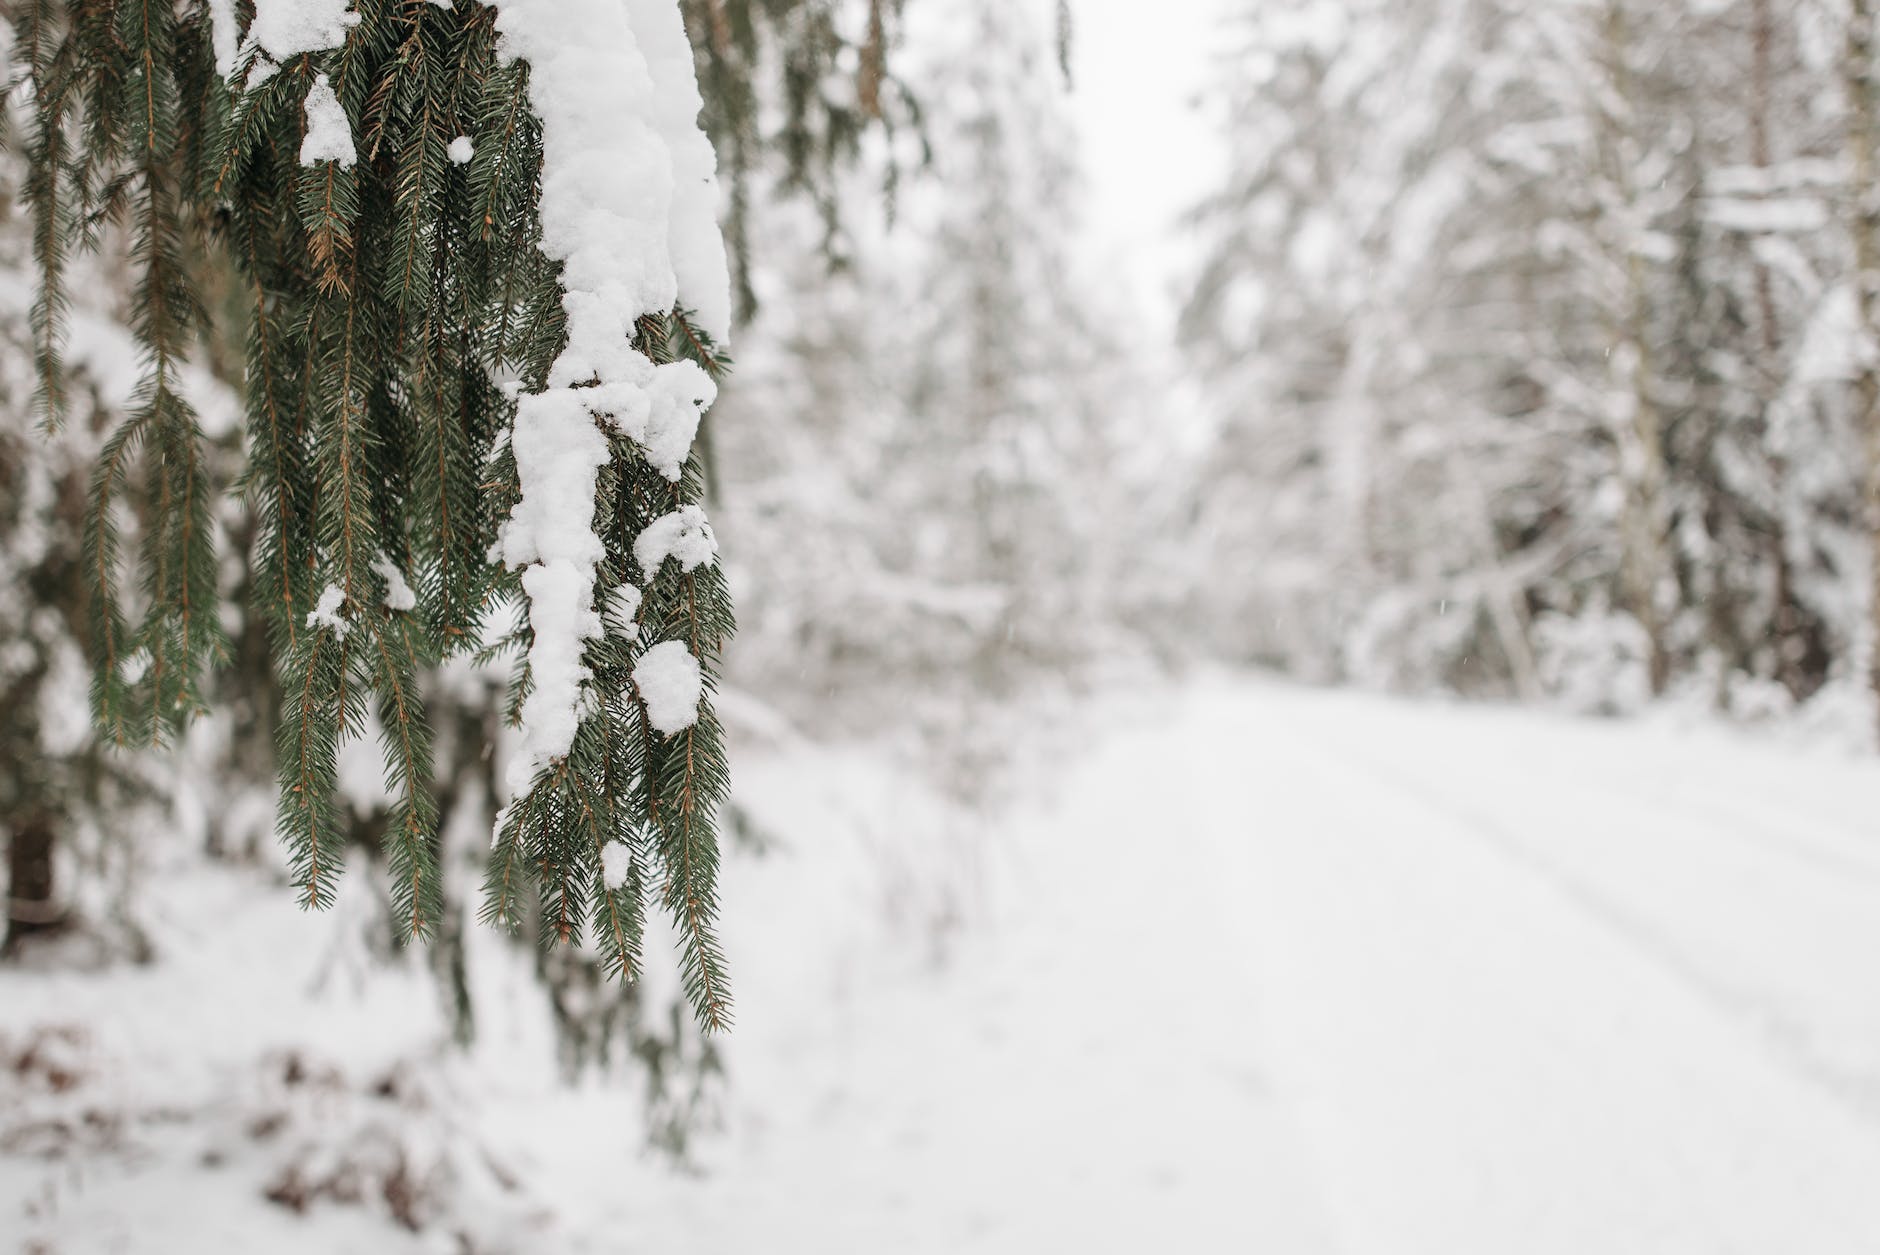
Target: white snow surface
684	534
329	134
1427	980
619	132
669	681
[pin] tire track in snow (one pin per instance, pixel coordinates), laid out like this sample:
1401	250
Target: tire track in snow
1851	842
1482	1062
1751	829
1825	841
1785	1039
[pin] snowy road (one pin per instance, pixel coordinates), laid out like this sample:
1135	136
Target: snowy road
1310	973
1540	986
1258	969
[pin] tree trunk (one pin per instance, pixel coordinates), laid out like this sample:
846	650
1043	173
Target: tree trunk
1645	524
1796	656
1643	466
30	907
1864	221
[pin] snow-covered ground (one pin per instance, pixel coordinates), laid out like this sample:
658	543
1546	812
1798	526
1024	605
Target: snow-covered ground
1256	968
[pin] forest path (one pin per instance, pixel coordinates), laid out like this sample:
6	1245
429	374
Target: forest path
1083	1071
1253	969
1539	985
1271	969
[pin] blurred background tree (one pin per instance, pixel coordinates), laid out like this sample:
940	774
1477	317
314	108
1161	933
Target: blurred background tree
1537	348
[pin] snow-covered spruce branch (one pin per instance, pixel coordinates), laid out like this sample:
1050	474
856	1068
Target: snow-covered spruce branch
486	293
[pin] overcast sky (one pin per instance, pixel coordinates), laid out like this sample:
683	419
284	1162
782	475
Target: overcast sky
1149	153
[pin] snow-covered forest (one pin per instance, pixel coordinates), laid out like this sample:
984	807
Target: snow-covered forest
940	625
1546	357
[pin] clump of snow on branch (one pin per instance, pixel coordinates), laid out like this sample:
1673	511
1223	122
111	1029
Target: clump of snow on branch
619	135
561	610
137	666
224	35
669	681
680	395
329	612
329	131
287	28
684	534
697	249
623	611
283	29
398	594
461	150
616	864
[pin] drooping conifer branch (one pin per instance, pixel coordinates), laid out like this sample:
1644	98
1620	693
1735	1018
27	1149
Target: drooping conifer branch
376	172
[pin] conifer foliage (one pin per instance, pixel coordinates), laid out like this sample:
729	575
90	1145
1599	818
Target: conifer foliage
792	87
439	347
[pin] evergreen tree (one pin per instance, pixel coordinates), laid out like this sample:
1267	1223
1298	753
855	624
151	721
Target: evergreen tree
61	790
1863	218
377	176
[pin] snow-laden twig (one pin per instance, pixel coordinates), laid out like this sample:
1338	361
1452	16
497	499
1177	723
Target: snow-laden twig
628	209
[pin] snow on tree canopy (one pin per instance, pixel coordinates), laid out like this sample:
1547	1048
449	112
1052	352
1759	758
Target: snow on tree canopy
670	683
629	208
329	130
